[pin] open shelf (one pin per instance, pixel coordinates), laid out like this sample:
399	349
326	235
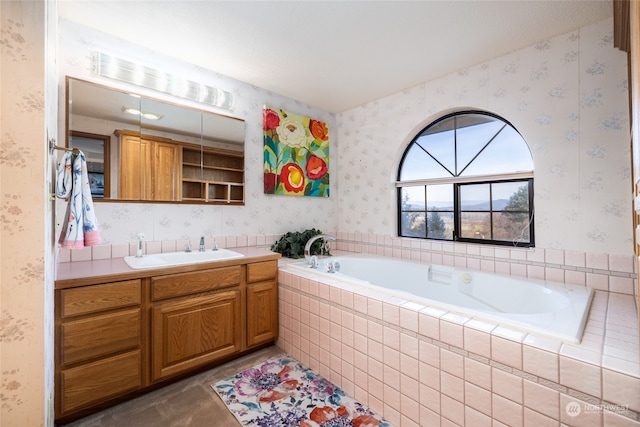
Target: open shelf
213	175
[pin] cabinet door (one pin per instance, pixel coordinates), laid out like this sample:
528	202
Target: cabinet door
135	168
192	332
262	312
166	171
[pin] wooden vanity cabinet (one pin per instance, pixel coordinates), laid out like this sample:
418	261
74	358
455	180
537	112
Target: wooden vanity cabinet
195	319
262	302
116	339
99	344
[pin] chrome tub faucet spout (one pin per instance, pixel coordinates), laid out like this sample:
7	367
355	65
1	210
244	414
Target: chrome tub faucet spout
307	247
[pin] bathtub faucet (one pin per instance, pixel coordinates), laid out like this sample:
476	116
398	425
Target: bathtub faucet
333	267
307	247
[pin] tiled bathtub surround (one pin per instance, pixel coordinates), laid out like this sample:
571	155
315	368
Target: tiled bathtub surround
422	366
600	271
614	273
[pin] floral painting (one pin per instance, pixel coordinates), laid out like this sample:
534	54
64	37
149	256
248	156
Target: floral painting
296	154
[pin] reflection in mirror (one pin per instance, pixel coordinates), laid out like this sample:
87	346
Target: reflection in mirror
152	150
96	150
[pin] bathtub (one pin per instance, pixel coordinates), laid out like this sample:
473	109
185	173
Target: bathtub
551	309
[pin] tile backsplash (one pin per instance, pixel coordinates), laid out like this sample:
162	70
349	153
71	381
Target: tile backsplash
604	272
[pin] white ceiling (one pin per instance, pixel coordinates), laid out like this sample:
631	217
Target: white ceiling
335	55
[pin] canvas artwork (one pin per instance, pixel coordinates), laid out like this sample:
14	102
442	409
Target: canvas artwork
296	154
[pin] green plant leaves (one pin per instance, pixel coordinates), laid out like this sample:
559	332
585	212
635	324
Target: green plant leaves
291	244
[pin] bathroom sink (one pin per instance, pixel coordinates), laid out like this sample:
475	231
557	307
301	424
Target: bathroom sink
171	259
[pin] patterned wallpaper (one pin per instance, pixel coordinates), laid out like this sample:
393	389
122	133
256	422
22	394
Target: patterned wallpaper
568	98
262	214
26	278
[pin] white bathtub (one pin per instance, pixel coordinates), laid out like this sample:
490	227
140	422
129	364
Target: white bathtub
546	308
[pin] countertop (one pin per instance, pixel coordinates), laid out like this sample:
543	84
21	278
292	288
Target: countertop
81	273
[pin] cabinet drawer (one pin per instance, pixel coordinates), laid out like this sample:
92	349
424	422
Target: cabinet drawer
100	335
99	381
175	285
96	298
259	271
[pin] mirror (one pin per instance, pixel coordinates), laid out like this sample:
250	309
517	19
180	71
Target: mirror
143	149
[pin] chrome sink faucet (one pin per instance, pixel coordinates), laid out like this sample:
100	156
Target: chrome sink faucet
307	247
139	245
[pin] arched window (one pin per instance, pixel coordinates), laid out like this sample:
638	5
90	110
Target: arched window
468	177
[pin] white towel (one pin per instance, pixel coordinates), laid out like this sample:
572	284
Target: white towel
80	226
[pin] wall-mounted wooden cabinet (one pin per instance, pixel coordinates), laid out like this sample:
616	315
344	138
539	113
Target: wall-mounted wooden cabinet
149	167
157	327
153	168
212	175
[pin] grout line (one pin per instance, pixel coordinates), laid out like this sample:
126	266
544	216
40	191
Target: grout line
465	353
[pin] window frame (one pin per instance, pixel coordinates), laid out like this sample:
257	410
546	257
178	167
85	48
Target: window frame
458	218
457	182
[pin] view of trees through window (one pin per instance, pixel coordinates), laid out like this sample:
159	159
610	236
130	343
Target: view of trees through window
467	177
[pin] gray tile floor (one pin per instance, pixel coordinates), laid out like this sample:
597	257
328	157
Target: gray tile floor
189	402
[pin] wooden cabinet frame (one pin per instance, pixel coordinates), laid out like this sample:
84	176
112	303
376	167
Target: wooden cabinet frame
157	326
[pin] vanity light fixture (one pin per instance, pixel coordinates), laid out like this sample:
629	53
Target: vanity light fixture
145	114
120	69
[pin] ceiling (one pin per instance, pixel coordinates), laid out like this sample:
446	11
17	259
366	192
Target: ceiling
335	55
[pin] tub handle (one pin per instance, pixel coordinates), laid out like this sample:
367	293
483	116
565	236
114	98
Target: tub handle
313	260
442	275
333	266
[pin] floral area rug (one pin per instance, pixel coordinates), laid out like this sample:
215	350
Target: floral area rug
282	392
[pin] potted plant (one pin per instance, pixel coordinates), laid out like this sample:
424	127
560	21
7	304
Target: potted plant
292	244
